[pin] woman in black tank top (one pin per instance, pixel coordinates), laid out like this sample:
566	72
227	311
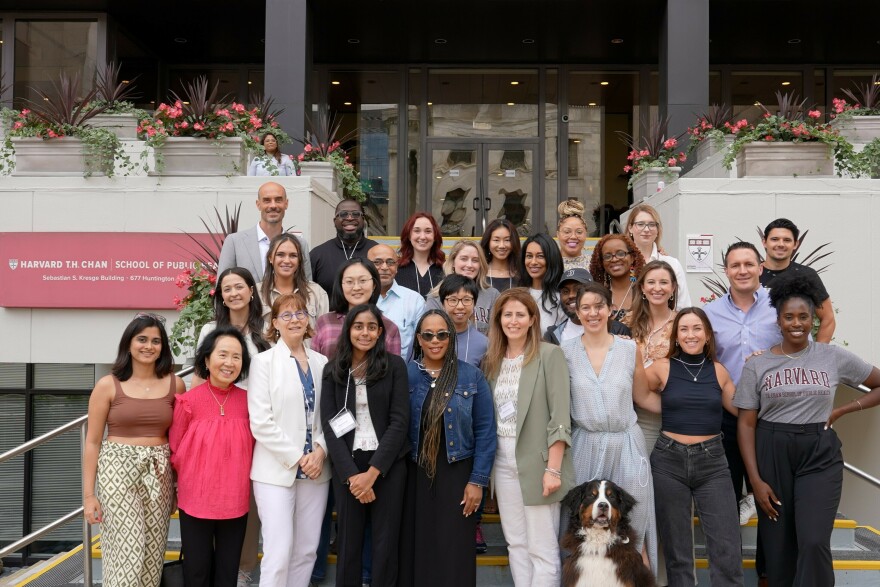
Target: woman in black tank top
688	462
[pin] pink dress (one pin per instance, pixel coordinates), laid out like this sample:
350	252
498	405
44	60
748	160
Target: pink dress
212	452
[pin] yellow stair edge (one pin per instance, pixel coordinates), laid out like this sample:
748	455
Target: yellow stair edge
749	563
840	524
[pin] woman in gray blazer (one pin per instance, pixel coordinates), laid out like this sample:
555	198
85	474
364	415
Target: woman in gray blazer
533	469
290	471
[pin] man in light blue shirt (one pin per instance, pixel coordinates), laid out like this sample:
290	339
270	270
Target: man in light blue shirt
743	321
402	306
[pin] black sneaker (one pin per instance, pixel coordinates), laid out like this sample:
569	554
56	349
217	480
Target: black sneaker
481	542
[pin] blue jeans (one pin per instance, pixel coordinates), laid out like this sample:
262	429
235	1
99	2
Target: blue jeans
686	474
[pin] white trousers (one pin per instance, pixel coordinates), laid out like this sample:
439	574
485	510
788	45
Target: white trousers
291	518
531	531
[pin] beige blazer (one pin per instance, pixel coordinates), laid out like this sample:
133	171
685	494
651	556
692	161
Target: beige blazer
278	423
543	416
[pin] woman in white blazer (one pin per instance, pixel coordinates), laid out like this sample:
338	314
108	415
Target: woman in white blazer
290	470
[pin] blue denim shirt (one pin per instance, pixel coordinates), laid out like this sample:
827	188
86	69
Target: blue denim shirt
469	421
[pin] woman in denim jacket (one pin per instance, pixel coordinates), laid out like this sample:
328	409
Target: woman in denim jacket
452	449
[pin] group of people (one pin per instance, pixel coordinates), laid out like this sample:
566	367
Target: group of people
413	383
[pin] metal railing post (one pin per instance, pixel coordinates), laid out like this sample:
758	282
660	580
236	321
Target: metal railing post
87	528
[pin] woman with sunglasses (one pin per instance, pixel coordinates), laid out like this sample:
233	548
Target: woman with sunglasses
466	258
285	274
357	282
500	244
616	263
135	403
452	448
533	470
290	469
645	229
421	254
365	416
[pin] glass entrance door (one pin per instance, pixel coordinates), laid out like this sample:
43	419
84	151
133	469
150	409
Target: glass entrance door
472	184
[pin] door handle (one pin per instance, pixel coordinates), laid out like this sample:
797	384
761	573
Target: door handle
476	204
488	204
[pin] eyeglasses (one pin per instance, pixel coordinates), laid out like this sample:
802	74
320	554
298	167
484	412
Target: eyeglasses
360	282
615	255
580	232
644	225
343	214
288	316
387	262
428	336
157	317
466	302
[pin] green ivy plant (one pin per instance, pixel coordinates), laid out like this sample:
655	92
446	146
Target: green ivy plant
870	159
196	307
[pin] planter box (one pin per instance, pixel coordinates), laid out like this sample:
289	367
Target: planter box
55	157
858	130
201	156
124	126
323	172
709	147
647	182
782	159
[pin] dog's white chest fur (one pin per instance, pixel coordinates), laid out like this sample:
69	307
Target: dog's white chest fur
594	566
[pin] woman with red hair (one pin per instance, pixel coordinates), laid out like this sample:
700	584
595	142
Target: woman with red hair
421	254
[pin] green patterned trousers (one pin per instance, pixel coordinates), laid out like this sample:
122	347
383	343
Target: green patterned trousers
134	489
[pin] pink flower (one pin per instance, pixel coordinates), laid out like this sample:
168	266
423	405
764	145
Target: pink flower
682	157
53	134
151	132
237	107
17	125
768	138
25	111
212	292
227	127
670	143
198	126
274	124
644	153
256	122
766	115
307	148
300	157
814	114
627	168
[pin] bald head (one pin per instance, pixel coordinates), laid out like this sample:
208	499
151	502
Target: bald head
272	204
385	260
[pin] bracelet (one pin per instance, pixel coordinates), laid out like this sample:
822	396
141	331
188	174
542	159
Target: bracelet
554	472
860	405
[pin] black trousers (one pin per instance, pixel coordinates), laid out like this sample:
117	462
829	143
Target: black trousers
211	550
734	458
804	467
384	514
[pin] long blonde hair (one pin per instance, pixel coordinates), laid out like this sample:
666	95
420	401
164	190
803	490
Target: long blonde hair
498	340
449	269
640	313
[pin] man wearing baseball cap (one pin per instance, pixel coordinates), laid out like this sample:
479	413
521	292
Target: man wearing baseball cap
569	285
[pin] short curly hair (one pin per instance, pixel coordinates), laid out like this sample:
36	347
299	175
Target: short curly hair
787	287
597	267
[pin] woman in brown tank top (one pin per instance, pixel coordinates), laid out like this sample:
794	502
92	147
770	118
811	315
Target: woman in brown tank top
127	476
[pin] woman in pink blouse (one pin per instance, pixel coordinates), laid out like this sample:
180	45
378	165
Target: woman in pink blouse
211	450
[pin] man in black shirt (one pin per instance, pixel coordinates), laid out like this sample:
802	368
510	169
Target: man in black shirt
781	241
349	242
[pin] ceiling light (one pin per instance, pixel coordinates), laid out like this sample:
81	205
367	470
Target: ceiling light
152	101
250	83
335	83
511	103
353	41
794	41
46	99
616	41
786	83
125	81
514	83
603	83
430	103
576	141
500	174
346	103
528	41
757	104
438	177
440	41
877	83
591	104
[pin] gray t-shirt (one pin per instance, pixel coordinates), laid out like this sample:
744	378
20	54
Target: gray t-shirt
482	308
471	346
801	390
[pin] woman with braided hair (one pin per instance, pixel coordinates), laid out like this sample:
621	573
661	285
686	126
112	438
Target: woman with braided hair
616	263
452	449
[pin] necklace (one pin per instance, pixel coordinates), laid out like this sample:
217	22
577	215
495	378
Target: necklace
507	352
701	364
146	389
621	312
432	373
345	253
649	343
228	393
509	278
781	348
302	362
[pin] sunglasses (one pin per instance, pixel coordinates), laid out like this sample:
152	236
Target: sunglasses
428	336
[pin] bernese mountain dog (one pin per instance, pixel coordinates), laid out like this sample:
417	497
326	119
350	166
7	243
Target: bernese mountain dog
599	539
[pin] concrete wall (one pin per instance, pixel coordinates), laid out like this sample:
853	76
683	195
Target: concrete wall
127	204
845	213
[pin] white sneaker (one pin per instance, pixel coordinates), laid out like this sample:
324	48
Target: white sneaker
244	579
747	509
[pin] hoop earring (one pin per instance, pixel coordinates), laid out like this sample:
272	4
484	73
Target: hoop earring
644	297
224	302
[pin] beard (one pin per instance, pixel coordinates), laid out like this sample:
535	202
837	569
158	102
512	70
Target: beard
350	238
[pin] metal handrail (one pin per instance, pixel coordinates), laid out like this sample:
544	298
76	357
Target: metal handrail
865	476
82	424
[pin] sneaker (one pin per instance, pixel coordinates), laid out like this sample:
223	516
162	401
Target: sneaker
747	509
244	579
481	542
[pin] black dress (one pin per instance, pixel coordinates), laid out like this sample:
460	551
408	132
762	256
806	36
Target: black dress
437	540
409	277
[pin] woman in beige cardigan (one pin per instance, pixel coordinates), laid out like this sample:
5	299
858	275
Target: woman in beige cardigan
533	469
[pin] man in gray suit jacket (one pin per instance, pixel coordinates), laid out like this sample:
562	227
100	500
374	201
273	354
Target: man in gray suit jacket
248	248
